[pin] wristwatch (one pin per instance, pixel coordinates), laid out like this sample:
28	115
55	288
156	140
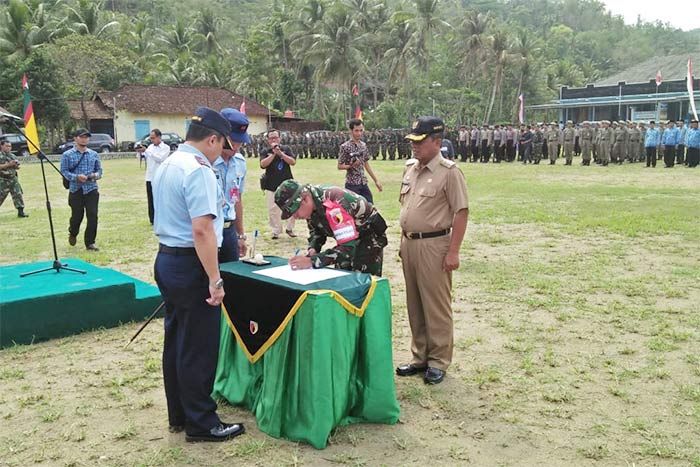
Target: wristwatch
219	284
242	237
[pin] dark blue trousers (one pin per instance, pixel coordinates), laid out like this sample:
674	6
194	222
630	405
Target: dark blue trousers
191	346
229	247
361	190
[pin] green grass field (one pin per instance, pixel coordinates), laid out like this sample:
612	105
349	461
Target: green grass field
576	330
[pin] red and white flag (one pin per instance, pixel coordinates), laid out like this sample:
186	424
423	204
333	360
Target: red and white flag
521	112
689	83
658	78
243	107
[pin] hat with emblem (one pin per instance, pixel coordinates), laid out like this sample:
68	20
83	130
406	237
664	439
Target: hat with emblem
288	197
425	126
239	125
82	132
208	118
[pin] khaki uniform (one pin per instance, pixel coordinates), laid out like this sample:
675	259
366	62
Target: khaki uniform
585	140
568	135
605	137
430	197
553	136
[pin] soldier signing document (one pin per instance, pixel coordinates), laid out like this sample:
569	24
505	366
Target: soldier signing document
356	225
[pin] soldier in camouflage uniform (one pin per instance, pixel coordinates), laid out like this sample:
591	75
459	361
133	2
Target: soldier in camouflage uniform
9	183
356	225
537	141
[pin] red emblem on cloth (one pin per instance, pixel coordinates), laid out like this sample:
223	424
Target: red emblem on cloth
342	224
253	326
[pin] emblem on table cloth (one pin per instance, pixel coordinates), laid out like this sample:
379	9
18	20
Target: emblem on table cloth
253	326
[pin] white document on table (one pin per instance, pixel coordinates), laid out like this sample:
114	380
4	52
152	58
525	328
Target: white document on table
301	276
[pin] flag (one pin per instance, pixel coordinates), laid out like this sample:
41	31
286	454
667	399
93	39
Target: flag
658	78
243	107
358	112
30	130
355	90
689	83
521	112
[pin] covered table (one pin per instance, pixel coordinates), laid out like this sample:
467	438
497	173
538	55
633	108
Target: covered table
306	358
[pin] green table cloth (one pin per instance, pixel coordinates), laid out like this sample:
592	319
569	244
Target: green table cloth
306	358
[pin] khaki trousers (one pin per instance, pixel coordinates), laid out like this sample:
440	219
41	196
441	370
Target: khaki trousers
428	300
275	214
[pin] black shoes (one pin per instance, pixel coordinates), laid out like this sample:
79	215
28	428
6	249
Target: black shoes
21	213
430	375
176	428
222	432
290	233
433	376
92	247
72	240
409	369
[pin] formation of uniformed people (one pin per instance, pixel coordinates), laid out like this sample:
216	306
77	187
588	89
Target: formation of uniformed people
9	182
602	142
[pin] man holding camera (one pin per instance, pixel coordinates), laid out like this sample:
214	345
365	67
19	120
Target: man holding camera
81	166
277	161
9	184
354	158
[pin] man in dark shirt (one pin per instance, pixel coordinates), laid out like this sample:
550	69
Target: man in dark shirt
277	161
354	158
525	144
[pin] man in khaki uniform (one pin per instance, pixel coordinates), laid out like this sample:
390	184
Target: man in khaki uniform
585	140
605	137
553	136
569	138
434	211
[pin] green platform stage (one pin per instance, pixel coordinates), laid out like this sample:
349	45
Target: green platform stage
50	304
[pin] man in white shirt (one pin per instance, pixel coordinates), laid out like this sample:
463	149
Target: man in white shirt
155	154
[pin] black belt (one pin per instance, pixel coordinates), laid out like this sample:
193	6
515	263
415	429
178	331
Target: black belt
420	235
176	250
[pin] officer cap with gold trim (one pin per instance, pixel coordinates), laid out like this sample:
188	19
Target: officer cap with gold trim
425	126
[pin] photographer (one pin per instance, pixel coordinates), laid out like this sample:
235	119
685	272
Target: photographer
354	158
277	161
9	184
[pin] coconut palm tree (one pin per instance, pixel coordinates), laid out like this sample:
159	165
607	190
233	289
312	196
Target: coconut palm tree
499	44
85	19
426	24
18	34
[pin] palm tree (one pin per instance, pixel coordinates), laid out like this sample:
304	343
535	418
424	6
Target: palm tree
85	19
499	48
207	30
426	23
524	47
471	41
18	35
399	56
179	37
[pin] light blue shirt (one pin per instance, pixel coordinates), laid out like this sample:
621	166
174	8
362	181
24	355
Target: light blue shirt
652	138
185	187
693	138
231	176
671	137
683	134
82	165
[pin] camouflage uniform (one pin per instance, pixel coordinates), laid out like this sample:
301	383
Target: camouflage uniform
364	254
537	140
9	183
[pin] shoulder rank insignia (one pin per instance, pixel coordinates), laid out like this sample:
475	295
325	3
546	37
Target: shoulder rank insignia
411	161
447	163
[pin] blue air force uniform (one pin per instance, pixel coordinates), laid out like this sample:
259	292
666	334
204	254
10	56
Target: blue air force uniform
231	177
185	187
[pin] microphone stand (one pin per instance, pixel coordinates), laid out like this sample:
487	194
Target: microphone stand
57	265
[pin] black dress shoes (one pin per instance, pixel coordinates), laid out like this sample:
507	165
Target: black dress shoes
176	428
409	369
433	376
222	432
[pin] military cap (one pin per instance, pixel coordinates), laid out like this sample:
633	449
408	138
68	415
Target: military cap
425	126
208	118
82	132
239	124
288	197
554	123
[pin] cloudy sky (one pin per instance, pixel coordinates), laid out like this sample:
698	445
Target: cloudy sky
682	14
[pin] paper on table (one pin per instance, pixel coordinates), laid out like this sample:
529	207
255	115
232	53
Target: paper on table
301	276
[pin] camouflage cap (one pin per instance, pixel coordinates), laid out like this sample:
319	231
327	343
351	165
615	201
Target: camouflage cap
288	197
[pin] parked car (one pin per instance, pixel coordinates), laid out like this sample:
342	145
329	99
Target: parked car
171	139
19	143
100	142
